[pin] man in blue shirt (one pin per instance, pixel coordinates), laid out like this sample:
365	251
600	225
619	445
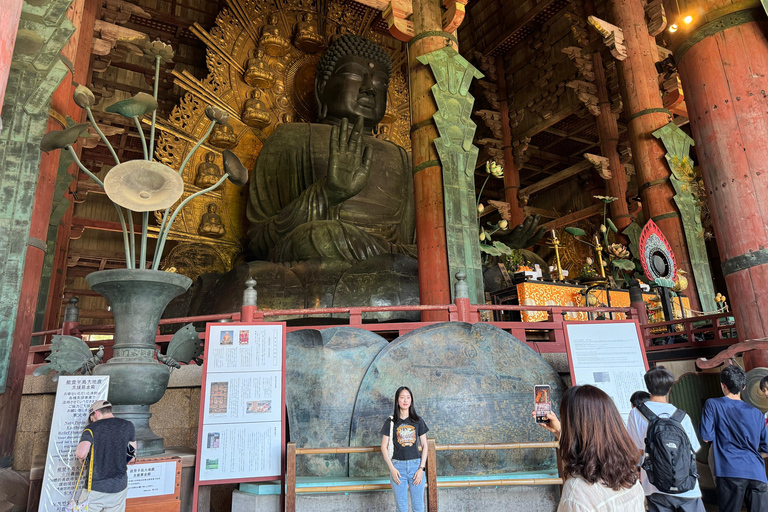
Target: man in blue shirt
738	435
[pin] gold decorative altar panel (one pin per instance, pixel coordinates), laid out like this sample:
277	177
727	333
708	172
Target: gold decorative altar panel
533	293
261	60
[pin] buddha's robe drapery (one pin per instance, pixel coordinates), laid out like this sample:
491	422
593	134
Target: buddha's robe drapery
290	218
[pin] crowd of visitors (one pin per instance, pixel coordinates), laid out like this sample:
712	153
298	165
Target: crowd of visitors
600	459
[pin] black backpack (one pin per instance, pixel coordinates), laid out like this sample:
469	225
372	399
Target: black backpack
670	461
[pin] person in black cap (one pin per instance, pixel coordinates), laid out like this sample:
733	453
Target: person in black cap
112	438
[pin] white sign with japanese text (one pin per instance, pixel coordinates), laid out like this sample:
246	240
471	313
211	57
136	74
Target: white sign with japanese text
74	396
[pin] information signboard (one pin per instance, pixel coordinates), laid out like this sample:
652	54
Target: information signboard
608	355
74	395
242	408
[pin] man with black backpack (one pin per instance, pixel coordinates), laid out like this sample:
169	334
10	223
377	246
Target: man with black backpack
667	439
738	435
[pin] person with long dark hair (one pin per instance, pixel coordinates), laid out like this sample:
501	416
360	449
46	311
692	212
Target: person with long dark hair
400	434
598	457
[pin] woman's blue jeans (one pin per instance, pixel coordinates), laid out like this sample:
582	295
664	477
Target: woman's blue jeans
407	469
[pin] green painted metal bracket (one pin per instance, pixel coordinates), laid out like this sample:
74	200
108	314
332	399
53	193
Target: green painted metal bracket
454	74
678	145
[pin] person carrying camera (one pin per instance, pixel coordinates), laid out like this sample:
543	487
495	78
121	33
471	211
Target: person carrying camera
114	445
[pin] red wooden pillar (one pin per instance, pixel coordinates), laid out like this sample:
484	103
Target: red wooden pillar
434	282
9	26
78	50
608	131
642	101
718	61
511	171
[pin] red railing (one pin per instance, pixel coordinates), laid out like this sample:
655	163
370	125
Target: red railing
543	337
691	332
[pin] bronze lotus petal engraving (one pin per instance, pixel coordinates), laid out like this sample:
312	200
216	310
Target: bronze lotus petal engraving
83	97
143	186
238	174
216	115
136	106
62	138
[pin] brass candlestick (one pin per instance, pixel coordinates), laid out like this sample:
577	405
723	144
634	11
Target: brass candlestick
556	245
599	251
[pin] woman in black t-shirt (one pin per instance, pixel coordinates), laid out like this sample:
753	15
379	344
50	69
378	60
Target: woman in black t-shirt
406	465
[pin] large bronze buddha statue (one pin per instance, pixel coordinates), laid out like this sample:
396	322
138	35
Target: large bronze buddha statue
330	206
330	190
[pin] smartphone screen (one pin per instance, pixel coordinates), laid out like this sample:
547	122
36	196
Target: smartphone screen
542	403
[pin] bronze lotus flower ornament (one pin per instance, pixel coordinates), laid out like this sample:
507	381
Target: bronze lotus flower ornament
143	185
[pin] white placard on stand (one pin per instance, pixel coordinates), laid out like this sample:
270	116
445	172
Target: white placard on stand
243	403
608	355
151	479
74	396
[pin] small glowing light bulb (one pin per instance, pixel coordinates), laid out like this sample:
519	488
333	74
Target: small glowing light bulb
688	19
673	27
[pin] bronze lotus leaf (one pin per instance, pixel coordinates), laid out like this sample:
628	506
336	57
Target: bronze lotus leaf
136	106
216	115
143	186
59	139
158	49
238	174
83	97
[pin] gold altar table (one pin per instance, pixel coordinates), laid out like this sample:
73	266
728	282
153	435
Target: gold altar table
538	293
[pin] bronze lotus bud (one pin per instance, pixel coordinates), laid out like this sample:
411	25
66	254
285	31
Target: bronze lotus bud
238	174
216	115
83	97
158	49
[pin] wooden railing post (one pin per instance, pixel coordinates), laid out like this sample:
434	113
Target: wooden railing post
248	309
431	476
290	477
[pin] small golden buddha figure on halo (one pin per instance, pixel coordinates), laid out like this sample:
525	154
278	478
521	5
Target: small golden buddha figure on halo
223	136
257	73
208	173
271	40
307	39
255	113
210	223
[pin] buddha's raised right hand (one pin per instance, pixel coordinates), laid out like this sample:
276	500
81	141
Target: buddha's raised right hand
349	164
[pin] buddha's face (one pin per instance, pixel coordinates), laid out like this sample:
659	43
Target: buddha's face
358	87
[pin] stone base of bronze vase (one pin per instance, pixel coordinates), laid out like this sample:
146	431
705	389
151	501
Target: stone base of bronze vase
136	379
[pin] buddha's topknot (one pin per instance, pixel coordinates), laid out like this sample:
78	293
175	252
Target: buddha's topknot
351	44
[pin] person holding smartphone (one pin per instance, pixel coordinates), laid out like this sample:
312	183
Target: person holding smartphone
599	459
406	465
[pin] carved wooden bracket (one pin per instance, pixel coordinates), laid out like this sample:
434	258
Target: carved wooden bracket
613	37
395	15
582	60
587	94
519	147
454	14
655	17
600	163
397	12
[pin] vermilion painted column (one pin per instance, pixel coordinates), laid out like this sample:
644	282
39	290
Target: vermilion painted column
723	73
9	26
434	282
638	79
511	171
608	131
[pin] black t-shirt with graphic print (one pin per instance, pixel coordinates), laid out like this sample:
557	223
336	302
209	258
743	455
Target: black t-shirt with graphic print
405	435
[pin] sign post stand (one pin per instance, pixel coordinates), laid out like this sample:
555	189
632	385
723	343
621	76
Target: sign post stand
241	433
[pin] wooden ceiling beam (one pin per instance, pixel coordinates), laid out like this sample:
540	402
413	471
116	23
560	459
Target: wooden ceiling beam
555	178
518	25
